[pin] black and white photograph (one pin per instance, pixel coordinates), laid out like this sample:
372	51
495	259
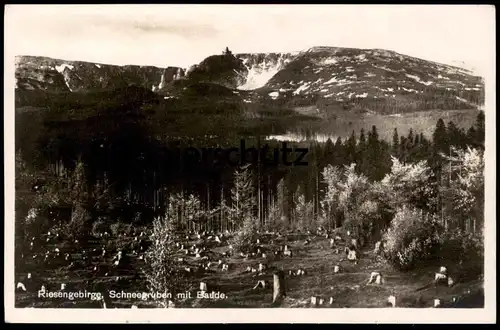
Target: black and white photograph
271	160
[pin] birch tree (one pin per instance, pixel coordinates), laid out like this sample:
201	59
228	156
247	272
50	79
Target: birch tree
332	177
410	185
354	192
466	173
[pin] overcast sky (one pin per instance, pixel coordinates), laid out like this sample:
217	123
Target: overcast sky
182	35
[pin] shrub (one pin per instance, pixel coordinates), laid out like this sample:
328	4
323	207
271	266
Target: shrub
245	238
119	228
78	225
35	223
463	248
99	227
412	238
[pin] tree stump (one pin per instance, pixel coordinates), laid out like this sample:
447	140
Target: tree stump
440	278
279	286
391	301
352	255
354	243
376	277
260	284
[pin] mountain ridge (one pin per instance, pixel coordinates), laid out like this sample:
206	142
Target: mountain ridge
290	56
58	75
321	78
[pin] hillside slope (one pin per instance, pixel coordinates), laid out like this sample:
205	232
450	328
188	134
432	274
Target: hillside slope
373	79
55	75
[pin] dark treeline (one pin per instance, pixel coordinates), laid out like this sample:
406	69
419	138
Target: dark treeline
142	158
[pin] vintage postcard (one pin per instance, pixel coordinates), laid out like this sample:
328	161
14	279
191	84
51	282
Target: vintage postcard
250	163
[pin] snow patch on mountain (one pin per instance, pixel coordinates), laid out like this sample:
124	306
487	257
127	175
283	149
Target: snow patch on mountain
419	80
464	100
384	68
329	61
410	90
302	88
274	95
261	71
62	67
258	77
338	82
361	58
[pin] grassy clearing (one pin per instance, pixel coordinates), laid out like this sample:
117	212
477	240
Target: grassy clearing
348	288
341	123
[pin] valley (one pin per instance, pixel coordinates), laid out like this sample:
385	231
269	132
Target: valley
394	182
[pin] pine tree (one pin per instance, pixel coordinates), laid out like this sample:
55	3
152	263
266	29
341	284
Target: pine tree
480	130
184	211
162	273
440	144
395	143
440	137
410	138
242	210
362	139
243	197
329	152
350	149
277	211
302	212
340	153
417	140
471	136
423	140
78	184
455	135
361	160
373	155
